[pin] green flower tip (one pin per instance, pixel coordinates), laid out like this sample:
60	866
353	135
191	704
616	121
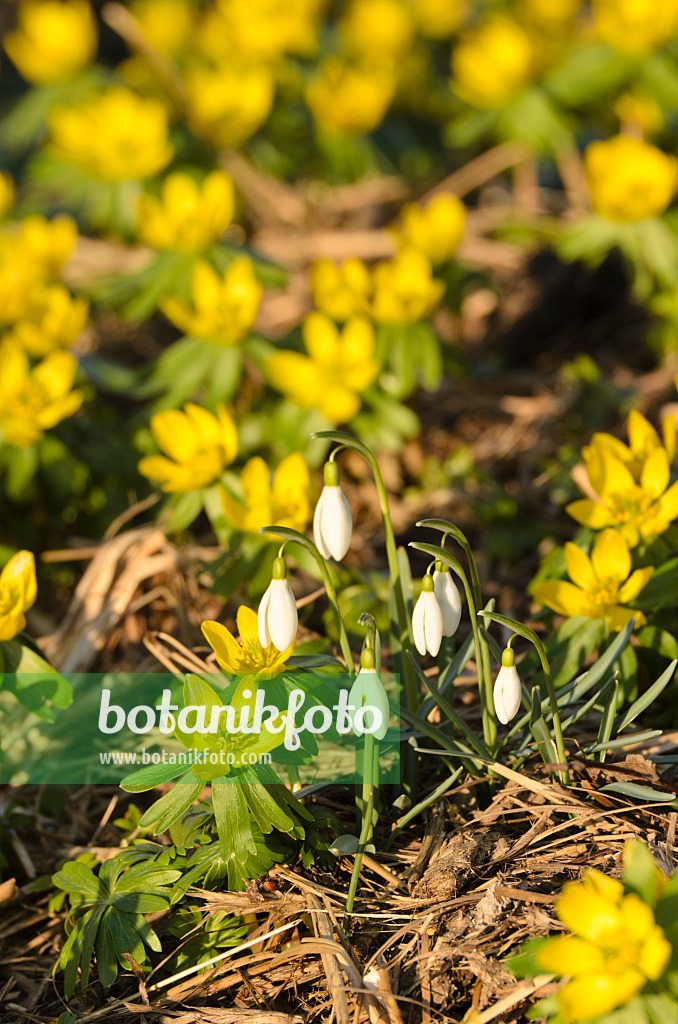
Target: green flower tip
441	567
280	569
367	658
508	658
331	474
427	584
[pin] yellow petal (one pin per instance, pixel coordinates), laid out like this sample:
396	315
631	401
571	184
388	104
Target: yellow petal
563	597
566	954
248	627
667	506
590	908
634	584
609	475
255	482
610	557
157	467
643	438
321	339
295	375
234	511
290	478
670	435
655	954
18	579
578	565
590	513
617	618
228	434
339	404
175	435
654	477
589	996
228	651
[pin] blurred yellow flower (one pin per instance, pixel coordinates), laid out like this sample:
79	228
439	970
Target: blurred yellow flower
53	40
377	31
41	246
549	15
224	307
600	584
285	503
615	950
168	25
405	290
197	445
341	290
248	656
53	319
6	194
630	483
492	63
438	19
434	229
34	400
629	179
18	590
188	217
227	104
117	136
338	368
260	30
638	111
635	27
349	99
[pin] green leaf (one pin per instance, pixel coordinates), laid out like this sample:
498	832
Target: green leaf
183	510
165	811
659	640
541	731
641	875
76	877
637	792
643	702
607	720
139	902
151	776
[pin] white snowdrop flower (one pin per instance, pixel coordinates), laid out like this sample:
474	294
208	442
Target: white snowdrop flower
278	618
427	620
449	600
368	693
332	521
507	692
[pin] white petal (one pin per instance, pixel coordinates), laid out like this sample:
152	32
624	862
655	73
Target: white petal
282	617
368	690
507	694
433	623
418	625
264	635
335	523
449	600
317	526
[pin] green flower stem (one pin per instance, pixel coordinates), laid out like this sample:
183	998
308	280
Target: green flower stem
370	749
529	634
289	535
404	624
484	679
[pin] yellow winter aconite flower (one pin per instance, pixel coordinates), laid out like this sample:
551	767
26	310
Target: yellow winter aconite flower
631	483
34	400
260	30
41	246
53	319
340	365
18	590
6	194
635	27
188	217
166	24
53	40
405	290
438	19
639	112
434	229
377	31
197	445
248	656
492	63
615	950
117	136
228	103
285	503
629	179
600	584
350	99
224	307
341	290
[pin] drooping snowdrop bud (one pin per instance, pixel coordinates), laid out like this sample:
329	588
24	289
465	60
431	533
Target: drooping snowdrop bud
448	598
278	611
369	700
427	620
507	692
332	521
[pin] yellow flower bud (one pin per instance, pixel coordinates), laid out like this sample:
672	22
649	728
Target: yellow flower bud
629	179
53	40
